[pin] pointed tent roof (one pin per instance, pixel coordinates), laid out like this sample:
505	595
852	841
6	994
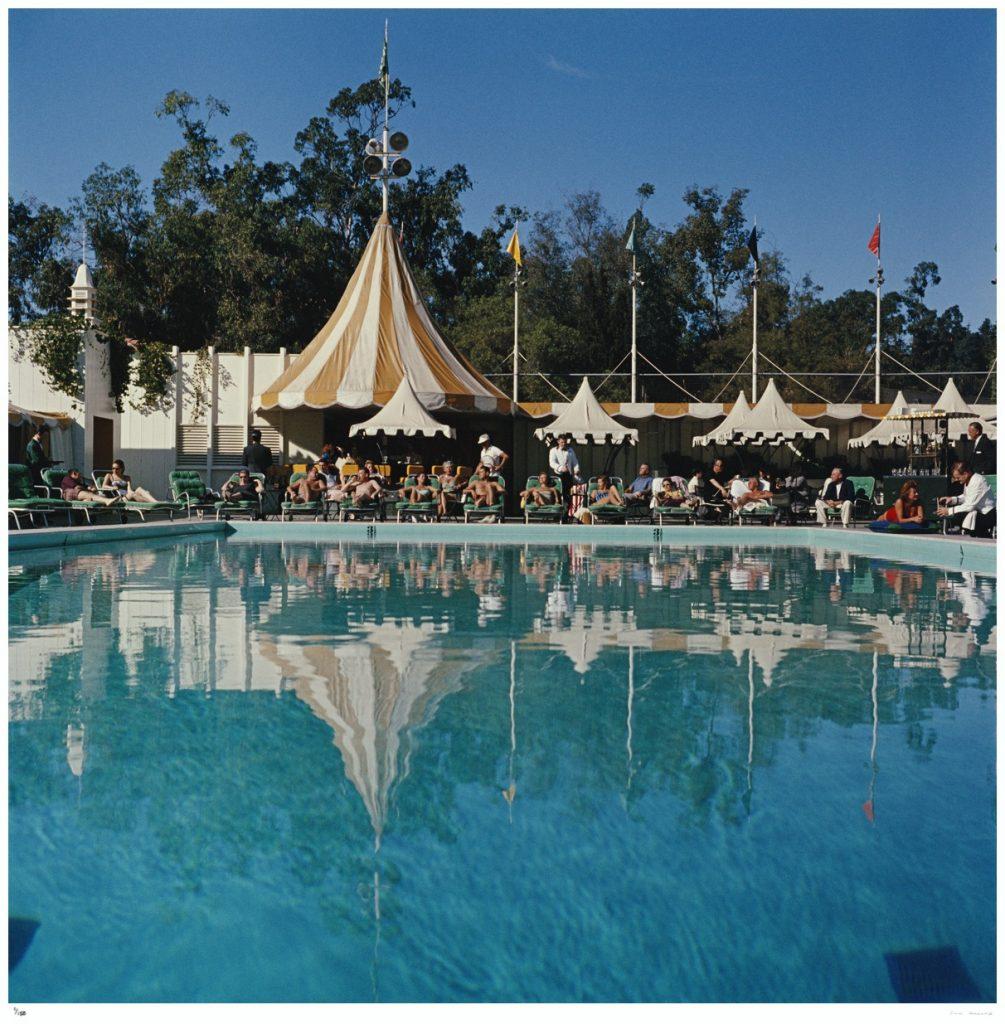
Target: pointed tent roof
586	421
403	414
379	333
951	401
887	431
771	421
724	432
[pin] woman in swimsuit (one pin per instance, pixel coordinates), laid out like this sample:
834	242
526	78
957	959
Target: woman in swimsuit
123	485
907	508
421	491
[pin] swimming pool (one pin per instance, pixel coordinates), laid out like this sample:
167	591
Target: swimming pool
253	769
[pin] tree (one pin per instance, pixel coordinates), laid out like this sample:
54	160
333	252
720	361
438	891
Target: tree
39	265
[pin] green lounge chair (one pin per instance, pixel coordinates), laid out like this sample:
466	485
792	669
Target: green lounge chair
544	513
765	514
663	514
289	509
862	508
607	513
251	509
54	477
26	500
418	509
188	490
141	508
473	513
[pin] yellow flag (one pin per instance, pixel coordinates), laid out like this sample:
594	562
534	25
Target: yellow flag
514	248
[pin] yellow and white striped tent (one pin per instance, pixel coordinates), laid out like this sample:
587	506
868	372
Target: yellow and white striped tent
380	332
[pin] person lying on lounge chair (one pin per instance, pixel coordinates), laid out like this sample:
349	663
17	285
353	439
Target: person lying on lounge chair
365	489
907	508
541	493
307	489
73	488
482	489
747	492
604	493
421	491
244	488
122	484
669	496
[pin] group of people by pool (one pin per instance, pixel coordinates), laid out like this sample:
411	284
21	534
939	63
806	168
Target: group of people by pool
335	478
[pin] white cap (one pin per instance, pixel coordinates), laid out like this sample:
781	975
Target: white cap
483	439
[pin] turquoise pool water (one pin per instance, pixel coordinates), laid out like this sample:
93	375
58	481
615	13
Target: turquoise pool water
256	771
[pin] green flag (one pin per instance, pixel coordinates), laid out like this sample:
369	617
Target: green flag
630	244
382	72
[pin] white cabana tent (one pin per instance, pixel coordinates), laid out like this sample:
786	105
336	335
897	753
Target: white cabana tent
887	431
771	421
379	333
586	421
403	414
724	432
961	414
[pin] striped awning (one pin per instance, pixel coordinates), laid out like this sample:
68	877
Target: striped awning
16	416
381	332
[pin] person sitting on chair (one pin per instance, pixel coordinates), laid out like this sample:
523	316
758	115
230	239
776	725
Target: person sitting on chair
309	488
747	492
641	488
244	488
975	507
365	489
717	484
907	508
421	491
123	485
541	493
838	493
73	489
450	485
669	496
373	472
482	489
604	493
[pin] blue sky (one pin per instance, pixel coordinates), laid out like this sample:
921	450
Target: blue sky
826	116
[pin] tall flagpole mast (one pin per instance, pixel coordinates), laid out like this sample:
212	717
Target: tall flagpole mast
753	361
516	332
384	137
635	311
879	295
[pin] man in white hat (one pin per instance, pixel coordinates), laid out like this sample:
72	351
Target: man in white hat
491	457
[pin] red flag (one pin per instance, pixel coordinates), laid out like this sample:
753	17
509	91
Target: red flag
867	808
874	242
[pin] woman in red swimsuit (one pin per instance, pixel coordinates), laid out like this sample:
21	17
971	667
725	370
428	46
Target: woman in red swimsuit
907	508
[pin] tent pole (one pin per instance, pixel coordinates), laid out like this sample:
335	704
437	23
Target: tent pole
635	307
516	335
753	365
879	293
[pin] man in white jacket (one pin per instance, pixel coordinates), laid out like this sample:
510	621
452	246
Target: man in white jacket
976	505
564	464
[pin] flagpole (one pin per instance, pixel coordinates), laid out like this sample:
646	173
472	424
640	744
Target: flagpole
516	335
879	295
753	361
384	137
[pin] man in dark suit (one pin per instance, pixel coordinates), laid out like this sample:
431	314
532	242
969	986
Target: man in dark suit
256	456
34	456
980	452
838	493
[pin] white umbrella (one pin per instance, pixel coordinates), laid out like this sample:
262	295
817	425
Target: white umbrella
961	414
724	433
771	421
403	414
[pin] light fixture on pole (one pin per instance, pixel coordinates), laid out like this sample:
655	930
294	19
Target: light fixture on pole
383	159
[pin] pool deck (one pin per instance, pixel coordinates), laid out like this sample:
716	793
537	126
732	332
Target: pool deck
933	550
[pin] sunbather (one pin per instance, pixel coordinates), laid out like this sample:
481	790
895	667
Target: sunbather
244	488
748	492
450	486
542	493
669	495
482	489
308	488
603	493
365	489
122	484
907	508
421	492
73	489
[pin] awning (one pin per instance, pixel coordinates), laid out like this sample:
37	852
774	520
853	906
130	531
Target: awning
888	431
16	416
724	433
586	421
404	414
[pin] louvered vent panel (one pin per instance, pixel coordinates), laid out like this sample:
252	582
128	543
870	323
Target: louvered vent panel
191	445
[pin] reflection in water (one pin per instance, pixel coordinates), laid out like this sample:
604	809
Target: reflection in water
696	669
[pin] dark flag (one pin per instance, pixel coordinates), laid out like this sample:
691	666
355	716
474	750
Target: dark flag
752	246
